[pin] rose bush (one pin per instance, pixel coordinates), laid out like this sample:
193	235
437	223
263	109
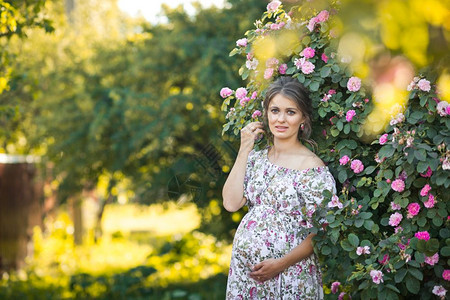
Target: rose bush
387	234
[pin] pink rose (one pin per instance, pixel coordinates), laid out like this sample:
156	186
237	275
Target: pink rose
446	275
308	52
377	276
282	69
357	166
268	73
341	296
323	16
225	92
354	84
350	114
395	206
398	185
344	160
439	291
241	42
428	173
273	6
424	85
308	67
312	24
241	93
363	250
299	62
383	139
335	202
424	191
254	95
324	57
335	287
442	108
395	219
413	210
430	202
385	259
422	235
331	92
256	114
432	260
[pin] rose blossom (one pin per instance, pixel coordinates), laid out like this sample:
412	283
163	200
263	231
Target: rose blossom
383	139
354	84
357	166
430	202
335	287
324	57
272	62
446	275
428	173
395	206
341	296
377	276
413	210
308	52
241	93
254	95
439	290
385	259
335	202
225	92
422	235
252	64
424	85
432	260
363	250
344	160
350	114
424	191
395	219
268	73
308	67
241	42
442	108
273	6
312	24
398	185
282	69
446	164
323	16
299	62
256	114
244	100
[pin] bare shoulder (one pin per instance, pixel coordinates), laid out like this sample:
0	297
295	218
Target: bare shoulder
308	159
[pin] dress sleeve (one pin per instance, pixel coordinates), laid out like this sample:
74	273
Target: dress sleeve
315	212
248	172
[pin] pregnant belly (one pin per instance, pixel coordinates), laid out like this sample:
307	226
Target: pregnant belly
258	239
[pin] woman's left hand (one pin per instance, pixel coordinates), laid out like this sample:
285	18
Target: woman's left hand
266	269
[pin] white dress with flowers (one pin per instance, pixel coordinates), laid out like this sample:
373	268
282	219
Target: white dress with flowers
281	202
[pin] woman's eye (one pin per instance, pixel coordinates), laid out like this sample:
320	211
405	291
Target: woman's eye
274	110
291	112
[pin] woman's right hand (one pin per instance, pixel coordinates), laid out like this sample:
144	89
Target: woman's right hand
249	134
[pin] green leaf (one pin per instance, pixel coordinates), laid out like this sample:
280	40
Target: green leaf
400	275
326	250
291	70
420	155
369	170
413	285
353	239
416	273
390	286
347	246
314	86
359	223
445	251
422	167
368	224
325	72
438	221
342	176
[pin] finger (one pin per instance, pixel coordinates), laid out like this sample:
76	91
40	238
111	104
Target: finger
257	266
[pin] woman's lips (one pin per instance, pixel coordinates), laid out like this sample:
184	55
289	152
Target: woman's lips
281	128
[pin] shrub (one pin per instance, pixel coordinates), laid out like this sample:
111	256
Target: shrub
387	234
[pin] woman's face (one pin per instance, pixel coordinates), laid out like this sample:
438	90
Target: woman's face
284	117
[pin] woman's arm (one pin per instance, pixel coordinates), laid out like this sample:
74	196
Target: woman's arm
233	189
271	267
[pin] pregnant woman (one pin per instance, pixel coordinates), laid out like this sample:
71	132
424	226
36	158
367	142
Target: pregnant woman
273	256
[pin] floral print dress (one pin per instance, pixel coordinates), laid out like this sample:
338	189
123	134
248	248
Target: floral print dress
281	202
